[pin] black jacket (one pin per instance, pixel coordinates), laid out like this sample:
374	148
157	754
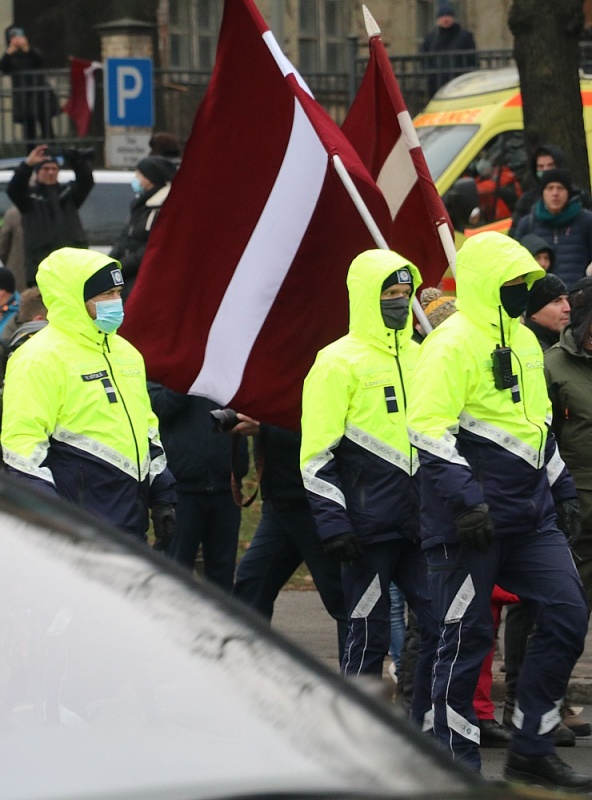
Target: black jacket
32	97
446	63
281	480
199	457
50	213
131	245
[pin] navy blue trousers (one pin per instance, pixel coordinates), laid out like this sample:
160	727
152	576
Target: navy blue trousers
366	587
286	537
212	521
539	568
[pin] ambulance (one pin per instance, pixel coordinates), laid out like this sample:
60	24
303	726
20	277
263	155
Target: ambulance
471	135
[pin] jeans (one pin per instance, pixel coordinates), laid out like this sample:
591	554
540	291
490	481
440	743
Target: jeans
397	624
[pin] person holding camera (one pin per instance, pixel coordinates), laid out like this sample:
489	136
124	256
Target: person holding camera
77	420
497	506
49	209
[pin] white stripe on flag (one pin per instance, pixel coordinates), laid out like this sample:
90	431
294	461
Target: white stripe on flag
264	263
285	65
397	176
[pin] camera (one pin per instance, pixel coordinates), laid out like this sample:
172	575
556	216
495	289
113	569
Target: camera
71	154
225	419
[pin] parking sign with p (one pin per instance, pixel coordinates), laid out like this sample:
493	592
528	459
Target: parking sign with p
128	98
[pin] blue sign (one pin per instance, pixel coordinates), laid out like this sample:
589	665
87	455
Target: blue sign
128	96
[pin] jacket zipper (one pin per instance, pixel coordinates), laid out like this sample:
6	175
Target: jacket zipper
129	419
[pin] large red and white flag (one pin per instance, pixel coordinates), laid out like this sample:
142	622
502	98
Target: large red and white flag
380	128
244	276
81	102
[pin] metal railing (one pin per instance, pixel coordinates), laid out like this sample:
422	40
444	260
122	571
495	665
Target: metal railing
177	94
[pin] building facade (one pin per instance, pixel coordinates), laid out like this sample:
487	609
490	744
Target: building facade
316	34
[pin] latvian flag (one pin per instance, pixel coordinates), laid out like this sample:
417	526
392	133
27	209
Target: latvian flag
381	130
243	280
81	103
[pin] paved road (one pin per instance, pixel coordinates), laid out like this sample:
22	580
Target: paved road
300	616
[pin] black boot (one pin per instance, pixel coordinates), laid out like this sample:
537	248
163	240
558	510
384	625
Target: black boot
545	771
492	734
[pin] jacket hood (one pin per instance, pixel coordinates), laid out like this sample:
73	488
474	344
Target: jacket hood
536	244
61	278
367	273
485	262
551	150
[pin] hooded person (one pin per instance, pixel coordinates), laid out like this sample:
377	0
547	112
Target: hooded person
77	420
559	218
359	470
492	487
151	184
542	252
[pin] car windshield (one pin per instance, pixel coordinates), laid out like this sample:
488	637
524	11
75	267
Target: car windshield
126	680
442	143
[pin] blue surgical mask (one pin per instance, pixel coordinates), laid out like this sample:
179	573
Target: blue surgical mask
137	187
109	315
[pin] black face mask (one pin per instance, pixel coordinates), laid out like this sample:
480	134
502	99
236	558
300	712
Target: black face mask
395	311
514	299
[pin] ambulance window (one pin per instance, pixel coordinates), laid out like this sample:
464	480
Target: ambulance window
442	143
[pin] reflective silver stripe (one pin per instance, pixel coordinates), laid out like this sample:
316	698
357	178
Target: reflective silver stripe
381	449
555	467
502	438
517	717
462	600
32	465
550	719
442	448
368	600
428	721
157	465
317	485
548	418
462	726
102	452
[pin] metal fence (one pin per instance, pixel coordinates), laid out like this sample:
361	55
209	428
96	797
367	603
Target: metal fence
177	94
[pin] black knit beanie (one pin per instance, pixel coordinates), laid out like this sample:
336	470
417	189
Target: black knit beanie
157	169
544	291
103	280
561	176
580	300
7	282
402	275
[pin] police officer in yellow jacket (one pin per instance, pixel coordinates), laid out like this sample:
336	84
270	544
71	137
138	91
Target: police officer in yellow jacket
77	419
492	484
359	469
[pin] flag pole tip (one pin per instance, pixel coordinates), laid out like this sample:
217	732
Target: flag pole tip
372	28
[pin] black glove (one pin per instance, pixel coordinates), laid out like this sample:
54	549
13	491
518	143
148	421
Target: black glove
569	519
163	524
475	528
345	547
